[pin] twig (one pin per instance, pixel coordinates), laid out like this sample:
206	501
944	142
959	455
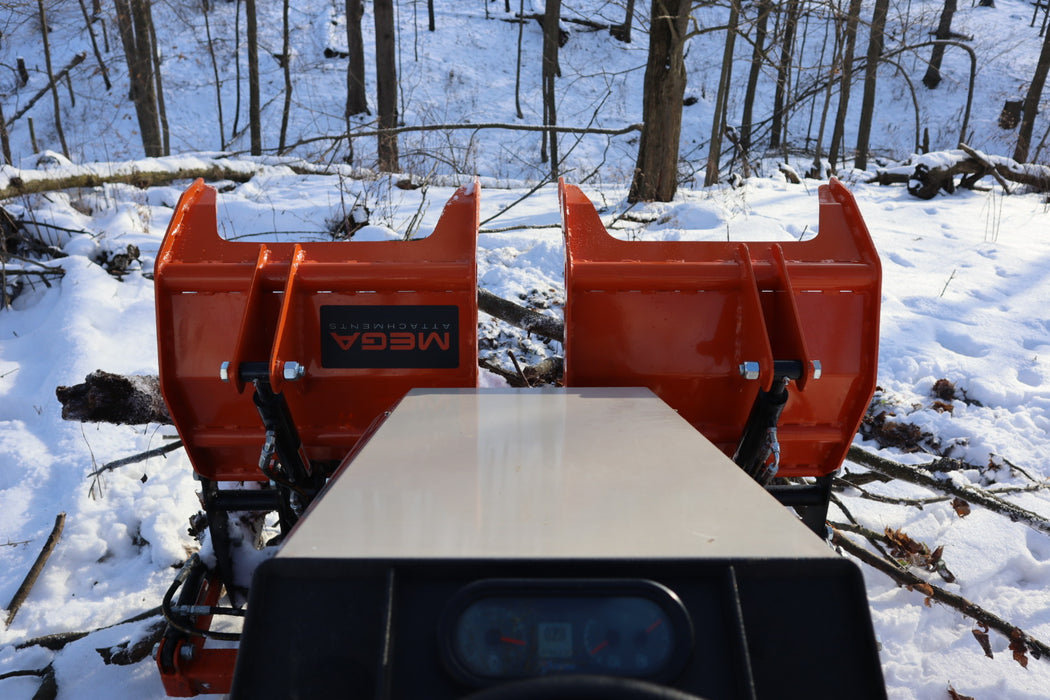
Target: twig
983	160
542	183
517	368
912	581
34	572
944	484
140	457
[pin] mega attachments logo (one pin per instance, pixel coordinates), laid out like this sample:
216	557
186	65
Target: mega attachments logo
386	337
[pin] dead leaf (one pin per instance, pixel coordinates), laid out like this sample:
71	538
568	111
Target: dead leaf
982	638
955	695
1018	647
962	508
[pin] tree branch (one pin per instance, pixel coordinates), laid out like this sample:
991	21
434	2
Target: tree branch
34	572
944	484
908	579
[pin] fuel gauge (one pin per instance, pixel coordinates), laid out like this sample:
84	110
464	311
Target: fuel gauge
491	640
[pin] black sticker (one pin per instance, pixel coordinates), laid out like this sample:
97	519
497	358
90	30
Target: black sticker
385	337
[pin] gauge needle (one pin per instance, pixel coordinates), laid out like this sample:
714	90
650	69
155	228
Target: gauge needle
512	640
598	648
653	626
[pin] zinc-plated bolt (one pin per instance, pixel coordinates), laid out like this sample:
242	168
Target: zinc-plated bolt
293	371
816	369
750	370
187	652
224	374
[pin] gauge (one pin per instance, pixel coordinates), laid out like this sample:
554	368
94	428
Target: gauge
501	629
491	640
629	636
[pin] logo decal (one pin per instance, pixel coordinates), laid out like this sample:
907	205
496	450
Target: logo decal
384	337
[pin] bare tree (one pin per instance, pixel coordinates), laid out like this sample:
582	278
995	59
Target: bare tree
944	31
787	41
286	64
356	102
551	37
845	80
722	99
623	31
254	109
134	21
386	83
757	57
867	105
1030	107
51	78
656	171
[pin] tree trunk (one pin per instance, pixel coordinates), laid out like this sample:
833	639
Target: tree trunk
162	111
51	78
254	118
215	74
430	15
846	81
933	74
623	31
386	83
356	102
714	153
135	37
867	106
551	36
1030	107
656	171
286	64
784	73
757	52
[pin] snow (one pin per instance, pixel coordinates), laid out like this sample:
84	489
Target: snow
965	298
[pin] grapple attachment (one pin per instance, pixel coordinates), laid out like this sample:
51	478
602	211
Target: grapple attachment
716	329
327	337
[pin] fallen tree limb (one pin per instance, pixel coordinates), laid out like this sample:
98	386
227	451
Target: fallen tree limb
925	476
521	317
933	172
57	641
975	612
34	572
18	186
105	397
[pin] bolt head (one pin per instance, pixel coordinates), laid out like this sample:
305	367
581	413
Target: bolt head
750	370
224	371
187	652
293	371
816	369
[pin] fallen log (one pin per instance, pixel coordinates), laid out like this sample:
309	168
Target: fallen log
928	174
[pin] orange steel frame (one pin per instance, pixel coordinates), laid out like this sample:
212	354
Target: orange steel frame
681	317
678	317
231	302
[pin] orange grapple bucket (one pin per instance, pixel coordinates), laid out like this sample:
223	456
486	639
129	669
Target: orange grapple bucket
363	321
683	318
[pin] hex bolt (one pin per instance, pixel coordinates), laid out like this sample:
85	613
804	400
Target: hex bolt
293	371
750	370
816	369
187	652
224	372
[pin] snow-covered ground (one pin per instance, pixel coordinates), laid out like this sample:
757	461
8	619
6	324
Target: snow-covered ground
965	298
